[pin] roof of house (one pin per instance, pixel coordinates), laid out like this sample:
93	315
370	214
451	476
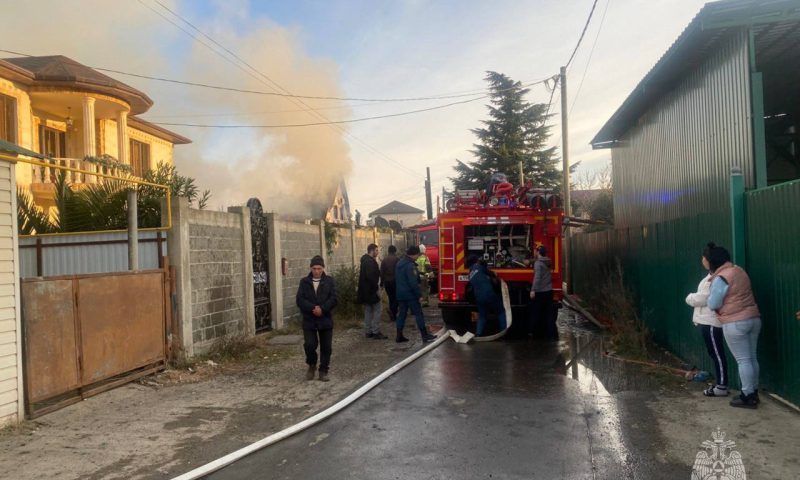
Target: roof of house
55	70
395	207
58	70
773	21
157	131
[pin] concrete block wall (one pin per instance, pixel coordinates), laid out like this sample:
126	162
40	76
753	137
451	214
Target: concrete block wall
211	252
299	242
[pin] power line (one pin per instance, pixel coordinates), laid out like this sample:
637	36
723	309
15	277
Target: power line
263	78
330	122
439	96
589	61
583	32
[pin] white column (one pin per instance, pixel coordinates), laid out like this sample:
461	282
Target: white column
122	136
89	146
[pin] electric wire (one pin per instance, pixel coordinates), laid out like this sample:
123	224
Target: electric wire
266	80
589	61
583	32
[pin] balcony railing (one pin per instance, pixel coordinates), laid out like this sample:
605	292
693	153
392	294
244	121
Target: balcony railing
49	174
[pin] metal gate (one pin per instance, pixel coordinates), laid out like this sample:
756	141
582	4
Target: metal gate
84	334
258	232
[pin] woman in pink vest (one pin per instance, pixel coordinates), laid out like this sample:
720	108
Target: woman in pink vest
732	298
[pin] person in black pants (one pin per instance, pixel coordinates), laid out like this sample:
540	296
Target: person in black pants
542	294
388	266
316	299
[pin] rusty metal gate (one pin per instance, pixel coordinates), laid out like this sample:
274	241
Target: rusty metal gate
259	239
84	334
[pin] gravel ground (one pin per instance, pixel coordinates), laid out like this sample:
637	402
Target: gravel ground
170	423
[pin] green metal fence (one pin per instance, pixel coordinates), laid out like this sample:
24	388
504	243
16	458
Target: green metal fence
661	264
773	262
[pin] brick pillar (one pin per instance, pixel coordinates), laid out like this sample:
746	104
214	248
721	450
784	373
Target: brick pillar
275	274
178	252
249	320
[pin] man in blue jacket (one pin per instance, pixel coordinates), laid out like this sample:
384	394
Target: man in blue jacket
409	294
485	296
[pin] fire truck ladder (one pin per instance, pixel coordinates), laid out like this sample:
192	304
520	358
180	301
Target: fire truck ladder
447	258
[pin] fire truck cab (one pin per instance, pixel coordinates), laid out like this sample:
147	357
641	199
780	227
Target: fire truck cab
502	226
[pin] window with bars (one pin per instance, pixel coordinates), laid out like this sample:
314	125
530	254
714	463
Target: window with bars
8	118
140	157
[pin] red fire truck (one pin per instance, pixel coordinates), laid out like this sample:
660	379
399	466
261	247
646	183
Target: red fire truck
502	225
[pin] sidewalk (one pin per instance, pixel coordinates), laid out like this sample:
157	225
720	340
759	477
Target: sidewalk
168	424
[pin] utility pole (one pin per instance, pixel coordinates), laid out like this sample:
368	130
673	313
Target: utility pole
521	175
565	166
428	196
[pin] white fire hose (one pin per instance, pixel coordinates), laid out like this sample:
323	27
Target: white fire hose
489	338
232	457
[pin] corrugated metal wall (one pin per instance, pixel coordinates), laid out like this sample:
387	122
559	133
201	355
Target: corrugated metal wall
773	262
677	159
80	259
661	264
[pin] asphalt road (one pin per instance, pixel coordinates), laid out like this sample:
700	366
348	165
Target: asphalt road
508	409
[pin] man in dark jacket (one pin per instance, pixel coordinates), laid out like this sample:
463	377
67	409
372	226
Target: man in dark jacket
542	294
316	299
388	266
369	280
485	297
408	295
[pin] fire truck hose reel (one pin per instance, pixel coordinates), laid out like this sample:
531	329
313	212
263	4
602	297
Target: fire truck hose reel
232	457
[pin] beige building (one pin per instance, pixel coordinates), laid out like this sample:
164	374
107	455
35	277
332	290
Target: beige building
404	214
339	210
57	107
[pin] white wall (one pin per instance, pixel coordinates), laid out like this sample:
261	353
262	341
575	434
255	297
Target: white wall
11	401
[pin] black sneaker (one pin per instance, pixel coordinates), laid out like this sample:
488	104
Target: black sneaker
428	338
716	391
369	335
745	401
379	336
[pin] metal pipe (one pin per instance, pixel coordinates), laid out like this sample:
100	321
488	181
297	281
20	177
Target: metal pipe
133	231
565	168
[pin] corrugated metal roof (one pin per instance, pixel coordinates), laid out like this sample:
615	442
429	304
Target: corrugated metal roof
773	20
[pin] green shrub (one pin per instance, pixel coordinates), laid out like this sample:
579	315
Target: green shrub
346	289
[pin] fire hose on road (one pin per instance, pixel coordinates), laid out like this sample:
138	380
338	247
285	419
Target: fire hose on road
443	335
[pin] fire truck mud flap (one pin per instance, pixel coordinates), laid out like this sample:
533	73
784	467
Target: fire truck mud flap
469	336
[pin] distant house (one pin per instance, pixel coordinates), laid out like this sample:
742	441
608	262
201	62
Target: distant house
339	209
60	108
405	215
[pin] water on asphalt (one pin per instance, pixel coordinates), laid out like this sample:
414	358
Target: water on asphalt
516	409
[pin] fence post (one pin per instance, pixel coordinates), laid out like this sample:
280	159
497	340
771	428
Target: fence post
274	268
737	216
133	231
323	246
247	270
178	252
353	243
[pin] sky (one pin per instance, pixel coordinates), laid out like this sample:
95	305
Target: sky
355	49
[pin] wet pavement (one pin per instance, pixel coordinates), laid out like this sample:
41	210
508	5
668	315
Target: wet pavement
507	409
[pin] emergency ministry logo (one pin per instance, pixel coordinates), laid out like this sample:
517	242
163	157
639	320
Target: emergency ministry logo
718	460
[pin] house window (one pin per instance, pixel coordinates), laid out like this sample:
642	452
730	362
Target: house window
52	143
140	158
8	118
